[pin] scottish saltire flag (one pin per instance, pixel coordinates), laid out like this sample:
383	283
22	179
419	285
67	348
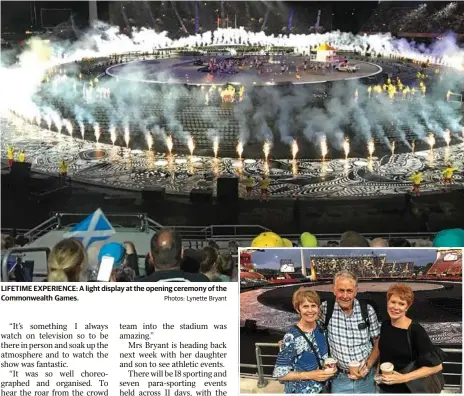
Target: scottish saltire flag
93	228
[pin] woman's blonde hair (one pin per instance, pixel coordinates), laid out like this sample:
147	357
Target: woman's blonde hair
403	291
303	294
67	261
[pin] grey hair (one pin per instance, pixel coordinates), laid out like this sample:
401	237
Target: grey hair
346	274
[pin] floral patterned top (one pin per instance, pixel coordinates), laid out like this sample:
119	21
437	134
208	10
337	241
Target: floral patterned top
296	355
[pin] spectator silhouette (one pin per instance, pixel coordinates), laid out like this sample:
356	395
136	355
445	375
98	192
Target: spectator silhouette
225	268
208	264
166	252
379	243
353	239
191	260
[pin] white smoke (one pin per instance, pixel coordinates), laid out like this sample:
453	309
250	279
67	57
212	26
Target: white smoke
21	82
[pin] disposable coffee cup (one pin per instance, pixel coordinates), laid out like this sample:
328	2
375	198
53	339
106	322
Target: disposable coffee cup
386	368
330	363
354	368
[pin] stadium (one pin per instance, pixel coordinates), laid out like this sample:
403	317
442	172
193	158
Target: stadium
323	115
179	120
267	311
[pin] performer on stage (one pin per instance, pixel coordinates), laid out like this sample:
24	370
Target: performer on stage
22	156
249	186
448	174
63	169
264	184
416	181
10	156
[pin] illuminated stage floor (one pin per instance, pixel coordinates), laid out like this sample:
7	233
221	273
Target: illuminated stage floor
105	165
437	307
182	71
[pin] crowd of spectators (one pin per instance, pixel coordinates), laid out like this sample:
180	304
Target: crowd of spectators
428	17
179	18
167	261
369	266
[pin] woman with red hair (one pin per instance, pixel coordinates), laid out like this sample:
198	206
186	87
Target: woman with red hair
406	345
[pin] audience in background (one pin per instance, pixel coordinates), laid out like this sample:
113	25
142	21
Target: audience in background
353	239
131	259
123	269
149	265
123	274
166	252
225	266
213	245
208	265
379	243
399	242
167	261
191	260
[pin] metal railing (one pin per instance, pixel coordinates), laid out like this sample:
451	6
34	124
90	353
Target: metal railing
61	218
369	235
16	231
43	228
216	232
223	232
262	381
4	267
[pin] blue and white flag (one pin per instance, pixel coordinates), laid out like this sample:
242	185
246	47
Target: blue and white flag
93	228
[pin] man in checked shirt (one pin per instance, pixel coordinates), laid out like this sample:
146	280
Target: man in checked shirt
350	338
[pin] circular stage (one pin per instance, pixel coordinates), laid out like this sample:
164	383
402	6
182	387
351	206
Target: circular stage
182	71
437	306
111	166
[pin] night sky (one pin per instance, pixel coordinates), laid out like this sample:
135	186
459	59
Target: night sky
270	258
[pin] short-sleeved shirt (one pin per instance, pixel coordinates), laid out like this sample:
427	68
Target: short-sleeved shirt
394	348
296	355
346	341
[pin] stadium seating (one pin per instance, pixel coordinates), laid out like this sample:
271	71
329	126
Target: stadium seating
369	266
399	18
448	263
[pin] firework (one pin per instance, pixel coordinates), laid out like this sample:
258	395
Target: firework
346	147
113	134
431	140
169	144
266	149
191	145
240	149
216	146
127	135
371	147
149	139
447	137
324	148
294	148
96	128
